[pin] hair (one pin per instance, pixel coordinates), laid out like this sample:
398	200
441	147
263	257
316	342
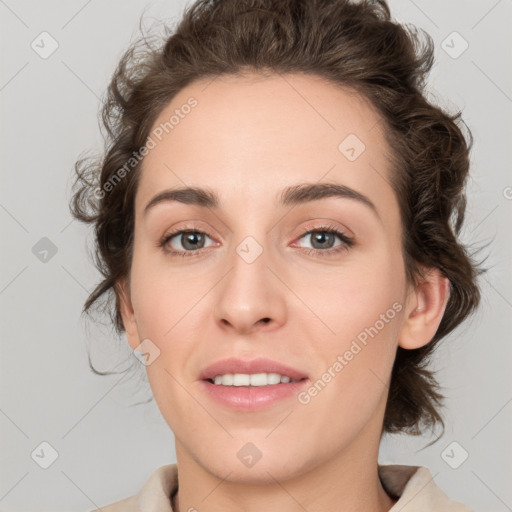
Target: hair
355	45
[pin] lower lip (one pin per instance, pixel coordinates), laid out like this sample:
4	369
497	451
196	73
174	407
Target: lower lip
252	398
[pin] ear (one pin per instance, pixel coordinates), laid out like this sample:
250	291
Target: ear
122	289
425	306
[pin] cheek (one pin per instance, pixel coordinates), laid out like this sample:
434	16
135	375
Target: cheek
169	312
360	354
357	295
164	298
363	309
352	382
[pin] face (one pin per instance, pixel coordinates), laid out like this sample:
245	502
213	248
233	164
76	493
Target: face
312	281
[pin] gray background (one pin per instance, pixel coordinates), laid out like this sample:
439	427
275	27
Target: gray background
107	449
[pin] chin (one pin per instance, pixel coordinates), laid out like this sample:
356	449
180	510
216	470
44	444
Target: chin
252	466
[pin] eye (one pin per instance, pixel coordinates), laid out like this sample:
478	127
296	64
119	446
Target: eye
189	239
323	238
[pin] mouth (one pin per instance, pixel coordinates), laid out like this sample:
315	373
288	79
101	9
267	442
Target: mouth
251	385
252	379
255	372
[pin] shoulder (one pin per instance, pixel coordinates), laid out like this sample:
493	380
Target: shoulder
416	490
153	496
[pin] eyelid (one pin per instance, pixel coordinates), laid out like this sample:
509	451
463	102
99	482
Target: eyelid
326	222
190	225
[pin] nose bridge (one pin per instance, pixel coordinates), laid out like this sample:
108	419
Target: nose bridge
249	292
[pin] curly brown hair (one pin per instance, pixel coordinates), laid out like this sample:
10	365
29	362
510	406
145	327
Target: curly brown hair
355	45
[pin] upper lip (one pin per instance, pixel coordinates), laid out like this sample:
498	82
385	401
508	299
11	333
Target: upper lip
260	365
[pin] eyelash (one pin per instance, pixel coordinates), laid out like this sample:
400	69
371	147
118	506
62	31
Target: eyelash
347	242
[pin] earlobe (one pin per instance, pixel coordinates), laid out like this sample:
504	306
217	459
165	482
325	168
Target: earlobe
127	313
425	308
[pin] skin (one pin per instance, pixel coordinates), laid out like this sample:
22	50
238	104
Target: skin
247	139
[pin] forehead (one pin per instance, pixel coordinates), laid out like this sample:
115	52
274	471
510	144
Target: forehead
251	136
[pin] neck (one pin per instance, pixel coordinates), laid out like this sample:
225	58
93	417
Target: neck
346	482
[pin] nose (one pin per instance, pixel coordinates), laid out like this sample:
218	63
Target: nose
250	296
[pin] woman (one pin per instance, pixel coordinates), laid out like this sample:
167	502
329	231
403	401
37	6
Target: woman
276	219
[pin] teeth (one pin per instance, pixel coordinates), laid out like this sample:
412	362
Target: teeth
253	379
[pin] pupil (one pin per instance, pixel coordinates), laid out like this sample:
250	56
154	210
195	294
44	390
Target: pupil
320	236
191	240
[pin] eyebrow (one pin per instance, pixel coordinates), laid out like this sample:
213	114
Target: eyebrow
290	196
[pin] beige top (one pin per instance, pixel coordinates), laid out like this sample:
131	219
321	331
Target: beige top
413	485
